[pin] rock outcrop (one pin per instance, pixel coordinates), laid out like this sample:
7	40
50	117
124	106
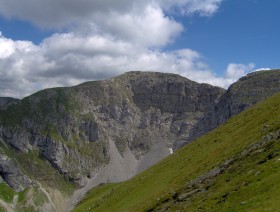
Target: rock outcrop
12	174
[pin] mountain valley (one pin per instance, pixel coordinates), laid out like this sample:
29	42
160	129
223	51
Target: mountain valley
59	143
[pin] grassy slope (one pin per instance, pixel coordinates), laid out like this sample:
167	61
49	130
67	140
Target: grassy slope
247	184
6	193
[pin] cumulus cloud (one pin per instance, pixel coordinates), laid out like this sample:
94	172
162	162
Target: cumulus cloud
201	7
101	39
150	27
67	59
52	13
235	71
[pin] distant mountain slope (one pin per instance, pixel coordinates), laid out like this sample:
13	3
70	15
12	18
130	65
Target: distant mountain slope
233	168
248	90
6	101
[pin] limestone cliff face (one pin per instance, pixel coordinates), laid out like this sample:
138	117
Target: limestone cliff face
137	118
107	131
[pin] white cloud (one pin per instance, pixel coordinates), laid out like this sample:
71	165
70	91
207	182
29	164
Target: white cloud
189	7
204	7
6	47
150	27
235	71
52	13
68	59
232	74
101	39
262	69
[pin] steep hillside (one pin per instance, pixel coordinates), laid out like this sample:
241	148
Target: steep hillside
233	168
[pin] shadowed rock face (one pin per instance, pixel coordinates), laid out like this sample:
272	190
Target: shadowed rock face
173	94
12	174
6	101
110	130
248	90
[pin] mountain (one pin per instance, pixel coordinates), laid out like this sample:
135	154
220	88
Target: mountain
248	90
6	101
233	168
98	132
62	140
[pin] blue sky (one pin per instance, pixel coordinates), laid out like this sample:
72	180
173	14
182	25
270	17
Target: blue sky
22	30
48	44
242	31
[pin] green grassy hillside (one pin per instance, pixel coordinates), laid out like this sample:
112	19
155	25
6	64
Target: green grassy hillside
233	168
